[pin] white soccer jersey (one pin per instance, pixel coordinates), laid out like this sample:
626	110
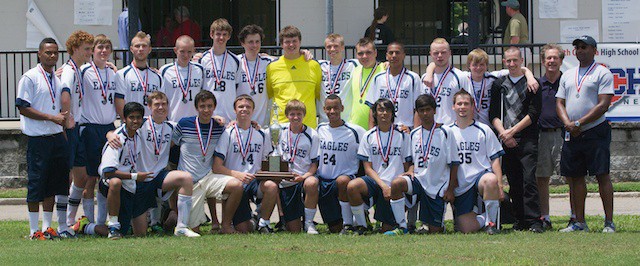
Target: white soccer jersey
99	92
222	78
252	82
434	171
156	143
477	147
394	145
482	92
124	159
300	150
402	90
243	150
41	91
338	150
181	84
71	80
446	85
135	85
335	80
197	145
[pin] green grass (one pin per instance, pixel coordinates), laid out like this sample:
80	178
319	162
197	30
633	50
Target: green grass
595	248
617	187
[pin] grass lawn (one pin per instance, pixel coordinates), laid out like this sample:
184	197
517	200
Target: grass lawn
617	187
595	248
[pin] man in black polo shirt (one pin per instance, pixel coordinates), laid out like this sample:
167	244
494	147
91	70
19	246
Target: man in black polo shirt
514	114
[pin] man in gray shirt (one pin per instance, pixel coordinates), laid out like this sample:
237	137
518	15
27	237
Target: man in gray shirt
583	97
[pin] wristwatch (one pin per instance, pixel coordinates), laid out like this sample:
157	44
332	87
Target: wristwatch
577	123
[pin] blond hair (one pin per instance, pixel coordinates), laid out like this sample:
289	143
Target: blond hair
477	56
295	105
221	24
334	37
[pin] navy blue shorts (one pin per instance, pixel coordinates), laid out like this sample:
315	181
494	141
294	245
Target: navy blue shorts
146	192
243	213
588	153
383	212
464	203
77	155
328	202
93	137
47	167
292	204
431	210
174	154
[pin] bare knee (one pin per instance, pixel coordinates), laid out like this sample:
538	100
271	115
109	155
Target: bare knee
343	181
233	185
269	187
115	184
310	183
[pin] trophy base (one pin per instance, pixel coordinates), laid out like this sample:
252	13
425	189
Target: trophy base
274	169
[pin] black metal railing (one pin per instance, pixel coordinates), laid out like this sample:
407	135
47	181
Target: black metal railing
14	63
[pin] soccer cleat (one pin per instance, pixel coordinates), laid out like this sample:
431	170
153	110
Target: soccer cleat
360	230
536	228
571	221
280	226
609	227
265	230
423	229
51	233
519	226
79	226
576	227
397	232
184	231
156	229
114	233
347	229
546	224
67	234
491	229
310	228
38	236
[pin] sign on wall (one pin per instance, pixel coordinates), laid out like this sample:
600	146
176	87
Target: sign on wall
92	12
620	20
624	62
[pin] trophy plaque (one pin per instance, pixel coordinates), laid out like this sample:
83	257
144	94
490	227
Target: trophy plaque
274	168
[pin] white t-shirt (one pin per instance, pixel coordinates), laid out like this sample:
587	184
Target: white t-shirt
377	144
223	82
335	80
194	140
300	150
434	173
482	92
181	84
239	145
338	150
477	147
124	159
259	91
71	81
446	84
156	143
35	89
135	85
402	89
99	89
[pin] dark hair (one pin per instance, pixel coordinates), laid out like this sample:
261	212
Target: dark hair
383	103
248	30
364	42
205	95
132	107
377	15
333	97
244	97
463	93
289	32
46	41
398	44
425	100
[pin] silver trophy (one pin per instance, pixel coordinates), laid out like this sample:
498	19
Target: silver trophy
274	168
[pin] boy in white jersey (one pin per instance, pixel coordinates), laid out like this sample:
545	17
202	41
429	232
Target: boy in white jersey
79	48
298	145
38	100
254	71
435	167
397	84
338	164
479	172
239	154
222	68
98	114
385	153
336	73
197	137
479	81
136	81
182	80
119	176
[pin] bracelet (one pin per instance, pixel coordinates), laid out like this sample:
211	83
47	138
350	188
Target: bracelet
134	176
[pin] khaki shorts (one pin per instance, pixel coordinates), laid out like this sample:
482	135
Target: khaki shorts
549	148
211	186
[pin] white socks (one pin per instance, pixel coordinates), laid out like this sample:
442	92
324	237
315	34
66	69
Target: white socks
264	222
482	221
155	213
184	210
33	222
90	229
309	214
88	208
102	208
46	220
492	207
358	213
75	195
61	210
397	207
113	222
347	215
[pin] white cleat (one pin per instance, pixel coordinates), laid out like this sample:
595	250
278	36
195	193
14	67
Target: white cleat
311	228
185	232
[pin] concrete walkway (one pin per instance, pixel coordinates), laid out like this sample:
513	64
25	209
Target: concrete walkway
624	203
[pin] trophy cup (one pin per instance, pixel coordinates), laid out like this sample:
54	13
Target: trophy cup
274	168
